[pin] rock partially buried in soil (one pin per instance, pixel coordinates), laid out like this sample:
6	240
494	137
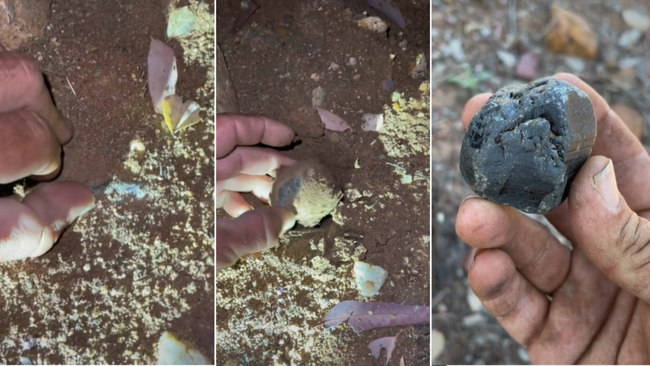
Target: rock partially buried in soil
22	21
525	146
310	188
226	96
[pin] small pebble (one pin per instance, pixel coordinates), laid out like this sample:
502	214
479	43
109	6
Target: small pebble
527	67
473	301
637	19
87	267
351	62
507	59
577	65
472	320
317	97
629	38
523	354
388	85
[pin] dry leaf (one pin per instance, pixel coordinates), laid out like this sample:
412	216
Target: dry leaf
179	115
370	315
162	73
631	117
387	342
332	122
571	35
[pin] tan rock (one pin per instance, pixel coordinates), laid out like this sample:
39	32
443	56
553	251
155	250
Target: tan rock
571	34
22	21
632	119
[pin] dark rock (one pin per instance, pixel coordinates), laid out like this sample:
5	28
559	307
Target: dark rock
527	143
388	85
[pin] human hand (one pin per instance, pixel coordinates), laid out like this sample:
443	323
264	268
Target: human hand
31	134
600	307
242	168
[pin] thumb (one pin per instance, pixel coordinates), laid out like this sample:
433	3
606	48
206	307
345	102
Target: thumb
252	232
31	227
612	236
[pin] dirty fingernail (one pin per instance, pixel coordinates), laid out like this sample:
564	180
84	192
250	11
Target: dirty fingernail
288	221
606	184
468	197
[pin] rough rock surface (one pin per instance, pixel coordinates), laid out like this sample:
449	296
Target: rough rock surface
226	96
528	142
310	188
22	21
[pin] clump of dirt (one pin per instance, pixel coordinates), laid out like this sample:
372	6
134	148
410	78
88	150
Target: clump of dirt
142	262
283	61
406	125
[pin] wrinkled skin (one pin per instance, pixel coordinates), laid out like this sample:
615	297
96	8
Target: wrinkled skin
31	134
243	168
600	308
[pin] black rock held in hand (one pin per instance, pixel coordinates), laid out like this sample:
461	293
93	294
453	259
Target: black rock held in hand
525	146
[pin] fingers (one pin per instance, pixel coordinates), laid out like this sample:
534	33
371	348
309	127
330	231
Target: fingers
22	87
236	130
518	306
233	203
606	346
251	161
252	232
472	107
30	228
28	146
580	309
535	252
612	236
259	185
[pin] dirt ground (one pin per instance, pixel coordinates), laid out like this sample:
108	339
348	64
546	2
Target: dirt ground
469	33
142	261
270	310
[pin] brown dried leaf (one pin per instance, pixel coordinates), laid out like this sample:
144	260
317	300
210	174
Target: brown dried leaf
571	35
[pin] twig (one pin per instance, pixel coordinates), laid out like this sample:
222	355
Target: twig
47	71
70	84
441	295
512	17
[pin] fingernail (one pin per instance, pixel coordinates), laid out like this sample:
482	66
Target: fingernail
468	197
476	253
77	212
288	221
606	184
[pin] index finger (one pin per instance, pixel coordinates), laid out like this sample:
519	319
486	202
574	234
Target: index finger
22	86
613	140
236	130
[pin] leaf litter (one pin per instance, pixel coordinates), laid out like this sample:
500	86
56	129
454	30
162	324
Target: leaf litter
387	343
362	316
331	121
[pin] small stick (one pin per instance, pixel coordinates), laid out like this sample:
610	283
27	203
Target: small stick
70	84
